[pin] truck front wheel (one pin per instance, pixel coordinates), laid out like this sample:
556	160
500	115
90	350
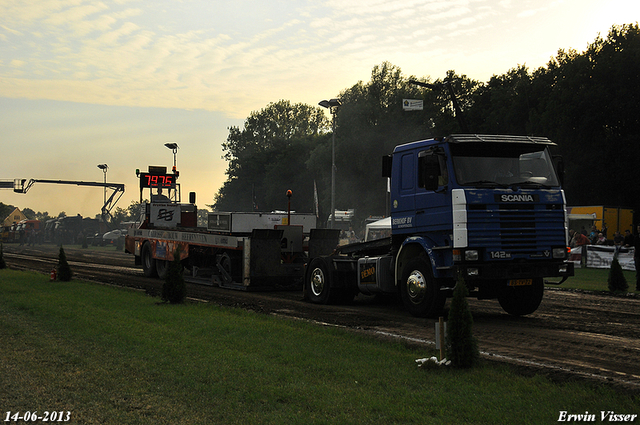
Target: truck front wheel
317	283
522	300
419	292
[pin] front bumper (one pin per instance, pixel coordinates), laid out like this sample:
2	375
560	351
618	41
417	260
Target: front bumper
514	270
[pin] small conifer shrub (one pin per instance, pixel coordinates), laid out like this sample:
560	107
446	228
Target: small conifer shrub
174	289
617	282
64	270
462	347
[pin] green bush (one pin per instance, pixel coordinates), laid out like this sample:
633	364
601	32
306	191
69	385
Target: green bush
617	282
174	290
462	347
64	270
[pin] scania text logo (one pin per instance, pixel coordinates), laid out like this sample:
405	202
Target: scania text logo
516	198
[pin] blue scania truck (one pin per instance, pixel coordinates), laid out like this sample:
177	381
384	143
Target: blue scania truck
484	209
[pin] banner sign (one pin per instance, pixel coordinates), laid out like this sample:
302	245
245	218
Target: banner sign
600	257
412	104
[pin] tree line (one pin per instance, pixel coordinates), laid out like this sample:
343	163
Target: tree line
131	213
6	209
587	102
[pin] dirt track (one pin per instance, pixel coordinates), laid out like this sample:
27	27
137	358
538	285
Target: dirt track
572	335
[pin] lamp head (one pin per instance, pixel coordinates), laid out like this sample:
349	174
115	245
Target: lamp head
330	103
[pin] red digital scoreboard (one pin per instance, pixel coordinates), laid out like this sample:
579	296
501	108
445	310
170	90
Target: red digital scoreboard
164	181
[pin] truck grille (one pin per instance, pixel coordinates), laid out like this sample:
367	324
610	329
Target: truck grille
521	229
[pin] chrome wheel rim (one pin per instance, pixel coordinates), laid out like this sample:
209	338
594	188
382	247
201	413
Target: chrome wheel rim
416	287
317	282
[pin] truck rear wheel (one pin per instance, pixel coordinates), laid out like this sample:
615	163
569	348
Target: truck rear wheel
419	292
148	262
522	300
162	266
317	283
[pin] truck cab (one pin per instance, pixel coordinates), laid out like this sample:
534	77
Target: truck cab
485	210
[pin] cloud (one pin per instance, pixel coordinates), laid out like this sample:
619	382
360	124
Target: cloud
528	13
10	30
111	37
199	55
72	15
382	7
99	53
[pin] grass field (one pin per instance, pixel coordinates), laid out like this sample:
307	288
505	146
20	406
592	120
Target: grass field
596	280
116	356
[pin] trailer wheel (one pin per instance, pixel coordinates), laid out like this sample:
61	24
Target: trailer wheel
148	262
419	292
318	281
522	300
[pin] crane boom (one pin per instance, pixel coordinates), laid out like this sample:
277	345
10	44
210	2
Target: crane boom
23	185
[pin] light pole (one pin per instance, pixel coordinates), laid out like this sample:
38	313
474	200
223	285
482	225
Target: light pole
332	105
174	147
104	168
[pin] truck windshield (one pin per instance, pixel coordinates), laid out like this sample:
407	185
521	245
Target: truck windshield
502	164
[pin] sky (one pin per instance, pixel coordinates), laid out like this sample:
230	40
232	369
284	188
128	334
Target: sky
88	82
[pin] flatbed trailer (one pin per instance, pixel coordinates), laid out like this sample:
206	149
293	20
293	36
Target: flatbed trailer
241	250
253	261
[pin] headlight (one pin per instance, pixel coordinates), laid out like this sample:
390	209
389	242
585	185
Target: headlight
467	255
559	252
471	255
473	272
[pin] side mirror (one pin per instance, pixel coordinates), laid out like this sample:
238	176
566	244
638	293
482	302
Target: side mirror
387	161
558	164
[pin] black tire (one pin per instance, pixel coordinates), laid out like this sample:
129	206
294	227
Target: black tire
418	290
162	266
148	262
317	282
522	300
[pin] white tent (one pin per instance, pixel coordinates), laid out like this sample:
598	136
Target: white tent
378	229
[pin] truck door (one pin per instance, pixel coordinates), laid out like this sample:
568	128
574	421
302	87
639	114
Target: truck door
432	196
404	201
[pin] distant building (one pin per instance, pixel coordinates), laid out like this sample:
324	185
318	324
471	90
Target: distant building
15	217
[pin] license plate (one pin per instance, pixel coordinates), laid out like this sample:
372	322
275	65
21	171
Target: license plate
520	282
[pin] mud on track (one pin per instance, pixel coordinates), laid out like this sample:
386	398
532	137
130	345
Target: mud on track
572	336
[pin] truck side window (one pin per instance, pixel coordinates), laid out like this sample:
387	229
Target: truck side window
407	172
432	170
